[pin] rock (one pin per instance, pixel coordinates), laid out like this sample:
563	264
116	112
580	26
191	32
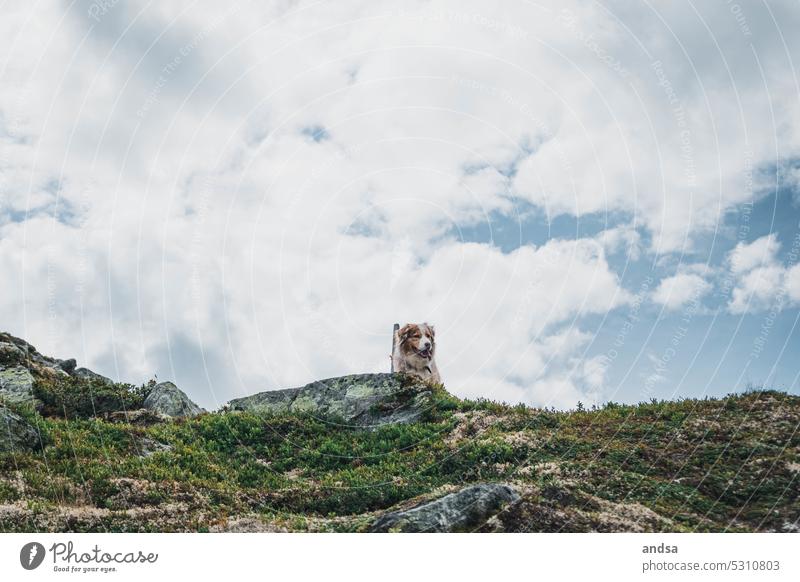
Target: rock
139	417
88	375
361	399
464	510
16	433
68	365
16	385
11	354
247	524
21	364
147	447
21	352
167	398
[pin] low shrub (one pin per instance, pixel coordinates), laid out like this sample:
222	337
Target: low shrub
69	397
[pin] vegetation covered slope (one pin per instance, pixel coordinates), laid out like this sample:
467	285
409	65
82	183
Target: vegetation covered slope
730	464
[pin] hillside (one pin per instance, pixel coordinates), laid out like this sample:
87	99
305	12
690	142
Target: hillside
729	464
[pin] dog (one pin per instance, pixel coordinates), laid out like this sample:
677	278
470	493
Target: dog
414	351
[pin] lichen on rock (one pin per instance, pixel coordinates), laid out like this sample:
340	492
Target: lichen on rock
360	399
16	433
16	385
463	510
166	398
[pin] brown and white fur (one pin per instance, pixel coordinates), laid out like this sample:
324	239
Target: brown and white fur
414	350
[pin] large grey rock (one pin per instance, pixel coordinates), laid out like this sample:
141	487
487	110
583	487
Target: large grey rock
167	398
16	381
16	385
464	510
88	375
16	434
361	399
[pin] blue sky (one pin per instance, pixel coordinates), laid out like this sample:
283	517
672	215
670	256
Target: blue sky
591	202
717	352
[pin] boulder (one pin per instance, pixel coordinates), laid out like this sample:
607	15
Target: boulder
16	380
464	510
89	376
16	385
10	353
146	447
68	366
361	399
167	398
16	433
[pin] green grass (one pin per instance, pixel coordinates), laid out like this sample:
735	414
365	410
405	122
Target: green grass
707	465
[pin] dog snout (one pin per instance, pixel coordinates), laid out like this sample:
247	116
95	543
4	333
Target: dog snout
426	345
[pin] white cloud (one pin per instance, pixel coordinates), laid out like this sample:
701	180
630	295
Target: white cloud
792	282
623	238
762	281
759	253
676	291
756	289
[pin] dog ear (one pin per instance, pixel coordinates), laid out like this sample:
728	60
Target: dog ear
404	332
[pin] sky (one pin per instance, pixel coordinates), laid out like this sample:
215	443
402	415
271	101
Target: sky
591	201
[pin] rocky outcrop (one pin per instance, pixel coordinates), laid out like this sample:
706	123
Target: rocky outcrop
21	364
16	434
361	399
464	510
17	352
166	398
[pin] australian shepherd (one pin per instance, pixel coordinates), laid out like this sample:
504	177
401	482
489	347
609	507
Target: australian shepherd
414	350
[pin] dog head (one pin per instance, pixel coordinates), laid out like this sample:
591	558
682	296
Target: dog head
417	340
